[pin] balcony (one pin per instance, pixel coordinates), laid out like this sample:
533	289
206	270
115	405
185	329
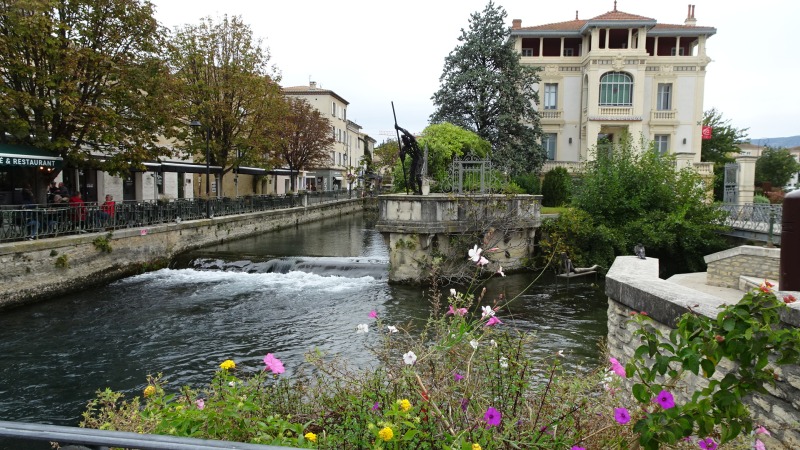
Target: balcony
615	113
551	115
571	166
704	169
663	117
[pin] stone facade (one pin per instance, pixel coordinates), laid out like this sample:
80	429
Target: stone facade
725	268
632	285
34	270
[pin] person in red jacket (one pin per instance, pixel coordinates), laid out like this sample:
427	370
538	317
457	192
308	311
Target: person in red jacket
78	211
107	211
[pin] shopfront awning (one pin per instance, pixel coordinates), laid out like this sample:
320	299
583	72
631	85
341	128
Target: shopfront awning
26	156
167	166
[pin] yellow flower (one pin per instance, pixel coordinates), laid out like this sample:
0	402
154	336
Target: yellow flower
149	391
405	405
476	446
228	364
311	436
386	434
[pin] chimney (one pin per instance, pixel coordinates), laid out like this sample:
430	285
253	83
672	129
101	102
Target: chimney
690	20
516	24
312	84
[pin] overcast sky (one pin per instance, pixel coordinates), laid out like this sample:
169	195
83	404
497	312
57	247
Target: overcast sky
373	52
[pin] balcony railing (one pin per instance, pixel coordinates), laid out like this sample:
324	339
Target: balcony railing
704	168
616	110
663	115
551	113
571	166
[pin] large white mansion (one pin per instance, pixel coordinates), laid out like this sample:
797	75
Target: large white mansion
618	74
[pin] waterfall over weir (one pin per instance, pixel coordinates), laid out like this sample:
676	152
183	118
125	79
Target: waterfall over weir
349	267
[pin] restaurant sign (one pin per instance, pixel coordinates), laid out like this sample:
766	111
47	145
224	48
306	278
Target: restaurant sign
23	156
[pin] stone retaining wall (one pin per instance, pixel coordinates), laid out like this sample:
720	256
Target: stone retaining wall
725	268
35	270
632	285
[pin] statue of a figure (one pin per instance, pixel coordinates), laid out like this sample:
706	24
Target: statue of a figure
567	267
411	148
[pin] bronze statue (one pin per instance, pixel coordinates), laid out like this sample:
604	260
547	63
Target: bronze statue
410	147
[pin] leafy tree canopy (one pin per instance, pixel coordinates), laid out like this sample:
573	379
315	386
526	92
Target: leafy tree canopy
446	141
485	89
776	166
635	196
724	141
81	75
226	84
304	138
386	156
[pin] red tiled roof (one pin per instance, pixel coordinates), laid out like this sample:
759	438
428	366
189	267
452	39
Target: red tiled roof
619	15
572	25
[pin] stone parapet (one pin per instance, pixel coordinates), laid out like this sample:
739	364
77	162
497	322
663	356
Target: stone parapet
725	267
632	285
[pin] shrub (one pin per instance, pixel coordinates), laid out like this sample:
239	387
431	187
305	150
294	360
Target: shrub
556	187
760	199
529	182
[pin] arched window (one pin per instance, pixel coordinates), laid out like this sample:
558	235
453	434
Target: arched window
616	89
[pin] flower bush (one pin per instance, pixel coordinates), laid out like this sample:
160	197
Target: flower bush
467	381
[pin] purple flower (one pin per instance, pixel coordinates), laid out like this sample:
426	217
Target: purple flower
665	399
760	445
200	403
762	430
492	417
621	415
493	321
707	444
456	311
373	314
464	403
457	376
575	447
376	406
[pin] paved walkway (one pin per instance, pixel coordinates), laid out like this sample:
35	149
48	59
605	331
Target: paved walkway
697	281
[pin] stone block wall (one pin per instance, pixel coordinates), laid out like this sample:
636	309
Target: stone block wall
633	286
725	268
34	270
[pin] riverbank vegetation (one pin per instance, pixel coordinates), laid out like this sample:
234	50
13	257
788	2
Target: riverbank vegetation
466	381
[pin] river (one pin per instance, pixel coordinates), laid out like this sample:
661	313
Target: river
283	292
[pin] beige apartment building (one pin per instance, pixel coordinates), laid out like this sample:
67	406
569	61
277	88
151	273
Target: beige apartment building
349	147
618	74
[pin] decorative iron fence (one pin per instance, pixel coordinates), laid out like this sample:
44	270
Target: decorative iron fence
754	217
471	175
47	221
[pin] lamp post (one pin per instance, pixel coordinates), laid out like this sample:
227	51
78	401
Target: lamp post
196	124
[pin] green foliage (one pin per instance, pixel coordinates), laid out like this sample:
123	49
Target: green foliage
556	187
637	196
748	333
760	199
62	262
776	166
82	74
103	243
722	147
575	233
484	88
529	182
445	142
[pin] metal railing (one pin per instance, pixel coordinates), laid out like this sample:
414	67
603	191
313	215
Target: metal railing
104	439
758	218
48	221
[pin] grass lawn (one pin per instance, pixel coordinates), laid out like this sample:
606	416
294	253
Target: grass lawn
553	209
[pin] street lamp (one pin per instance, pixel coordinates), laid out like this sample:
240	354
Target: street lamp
196	124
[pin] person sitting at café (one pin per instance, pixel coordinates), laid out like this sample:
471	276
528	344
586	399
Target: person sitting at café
78	211
107	211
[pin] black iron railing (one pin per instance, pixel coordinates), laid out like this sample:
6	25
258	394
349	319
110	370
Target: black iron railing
48	221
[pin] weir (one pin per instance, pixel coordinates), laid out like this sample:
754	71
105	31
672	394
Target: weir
421	229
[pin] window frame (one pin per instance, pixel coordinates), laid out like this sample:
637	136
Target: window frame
664	96
550	93
622	96
550	145
661	143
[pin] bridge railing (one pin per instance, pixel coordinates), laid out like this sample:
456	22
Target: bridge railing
754	217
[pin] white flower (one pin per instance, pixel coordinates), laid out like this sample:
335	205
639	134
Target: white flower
362	328
560	353
410	358
473	343
475	254
453	292
504	362
500	271
392	328
486	311
493	343
482	261
231	384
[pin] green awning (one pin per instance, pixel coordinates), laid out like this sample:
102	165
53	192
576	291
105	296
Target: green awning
26	156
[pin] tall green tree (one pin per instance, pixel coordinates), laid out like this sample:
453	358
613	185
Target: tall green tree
722	147
84	75
226	83
304	138
484	88
776	166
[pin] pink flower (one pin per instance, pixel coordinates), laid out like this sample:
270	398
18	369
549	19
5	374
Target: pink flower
456	311
200	403
766	286
761	430
483	261
493	321
575	447
665	399
622	416
373	314
760	445
789	299
273	364
492	417
707	444
457	376
617	367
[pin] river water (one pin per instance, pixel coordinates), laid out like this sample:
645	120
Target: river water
283	292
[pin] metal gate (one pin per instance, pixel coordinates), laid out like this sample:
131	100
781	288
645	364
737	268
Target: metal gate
730	193
471	175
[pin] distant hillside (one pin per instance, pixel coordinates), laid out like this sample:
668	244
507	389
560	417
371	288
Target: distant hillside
788	142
